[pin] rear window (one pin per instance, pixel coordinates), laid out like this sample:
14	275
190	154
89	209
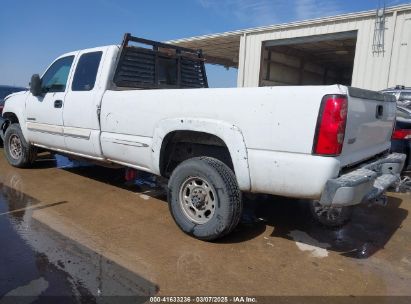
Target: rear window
86	72
167	71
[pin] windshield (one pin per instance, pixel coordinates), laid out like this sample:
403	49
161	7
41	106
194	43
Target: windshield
405	96
403	114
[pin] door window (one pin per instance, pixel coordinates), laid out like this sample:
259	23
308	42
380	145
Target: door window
55	79
86	72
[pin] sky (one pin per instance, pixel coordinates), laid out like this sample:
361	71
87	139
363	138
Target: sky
33	33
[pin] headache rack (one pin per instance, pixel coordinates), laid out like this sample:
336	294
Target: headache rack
156	65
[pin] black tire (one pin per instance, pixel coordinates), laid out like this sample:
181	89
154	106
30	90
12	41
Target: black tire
331	217
225	198
27	153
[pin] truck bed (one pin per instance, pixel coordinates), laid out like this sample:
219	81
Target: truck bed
275	122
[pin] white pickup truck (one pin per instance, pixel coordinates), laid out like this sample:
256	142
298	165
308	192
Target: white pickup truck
147	106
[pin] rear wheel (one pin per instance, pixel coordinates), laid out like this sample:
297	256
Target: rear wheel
18	152
204	198
332	217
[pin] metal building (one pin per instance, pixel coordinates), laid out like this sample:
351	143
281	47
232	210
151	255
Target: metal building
370	50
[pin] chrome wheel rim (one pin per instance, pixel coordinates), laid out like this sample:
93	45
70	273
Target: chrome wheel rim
15	147
198	200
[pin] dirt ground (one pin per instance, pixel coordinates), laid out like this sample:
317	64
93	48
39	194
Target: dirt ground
79	230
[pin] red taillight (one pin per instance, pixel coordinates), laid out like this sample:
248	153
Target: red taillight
401	134
1	109
330	129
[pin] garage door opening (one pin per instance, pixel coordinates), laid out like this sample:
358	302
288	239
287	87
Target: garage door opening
312	60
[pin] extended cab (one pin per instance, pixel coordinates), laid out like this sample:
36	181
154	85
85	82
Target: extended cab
148	107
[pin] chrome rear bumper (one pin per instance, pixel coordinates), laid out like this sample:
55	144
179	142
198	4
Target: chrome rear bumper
365	183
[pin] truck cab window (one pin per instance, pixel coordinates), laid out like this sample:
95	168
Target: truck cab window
55	79
86	72
167	71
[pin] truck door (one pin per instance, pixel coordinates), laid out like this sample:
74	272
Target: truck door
82	102
45	112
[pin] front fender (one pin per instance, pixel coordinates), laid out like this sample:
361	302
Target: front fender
229	133
21	120
16	106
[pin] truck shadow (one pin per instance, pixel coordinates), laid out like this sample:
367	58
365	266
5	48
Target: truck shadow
369	230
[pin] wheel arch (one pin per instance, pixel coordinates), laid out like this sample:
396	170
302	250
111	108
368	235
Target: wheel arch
11	118
181	145
229	134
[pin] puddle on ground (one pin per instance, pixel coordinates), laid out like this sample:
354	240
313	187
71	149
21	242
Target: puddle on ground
37	262
63	162
146	184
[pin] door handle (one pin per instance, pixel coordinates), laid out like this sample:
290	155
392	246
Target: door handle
58	103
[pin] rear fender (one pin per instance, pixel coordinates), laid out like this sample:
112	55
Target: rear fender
229	133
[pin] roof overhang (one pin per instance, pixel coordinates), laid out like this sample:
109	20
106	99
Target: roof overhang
223	48
217	49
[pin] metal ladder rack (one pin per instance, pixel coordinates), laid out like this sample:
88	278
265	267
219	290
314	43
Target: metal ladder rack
157	65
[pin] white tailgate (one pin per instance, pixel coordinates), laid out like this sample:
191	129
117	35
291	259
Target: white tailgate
367	133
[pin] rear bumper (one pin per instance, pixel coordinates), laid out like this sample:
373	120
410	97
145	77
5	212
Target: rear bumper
365	183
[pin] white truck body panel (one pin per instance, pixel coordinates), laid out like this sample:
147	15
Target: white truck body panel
44	126
296	175
215	111
250	109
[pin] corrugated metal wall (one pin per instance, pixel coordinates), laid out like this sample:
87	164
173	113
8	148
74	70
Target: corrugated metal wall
400	70
371	71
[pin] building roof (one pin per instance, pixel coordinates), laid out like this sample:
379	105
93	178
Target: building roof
223	48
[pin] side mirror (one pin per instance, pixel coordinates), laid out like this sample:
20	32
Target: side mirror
35	85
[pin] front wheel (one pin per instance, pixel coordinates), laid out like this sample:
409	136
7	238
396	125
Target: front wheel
18	152
204	198
332	217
